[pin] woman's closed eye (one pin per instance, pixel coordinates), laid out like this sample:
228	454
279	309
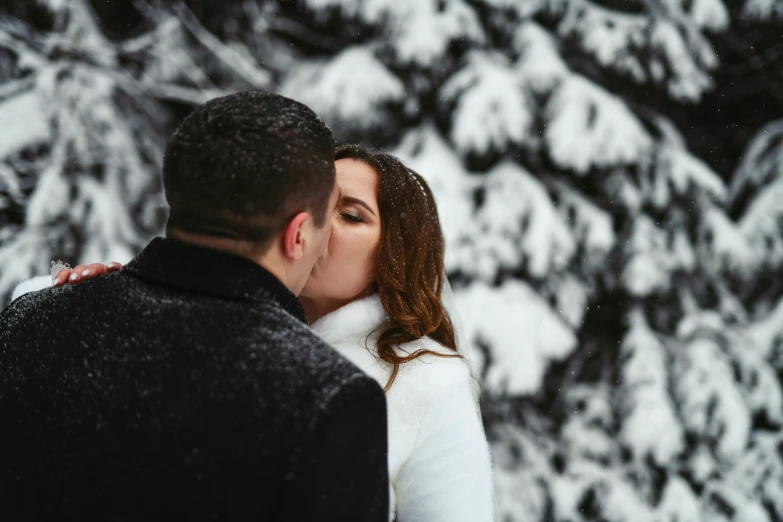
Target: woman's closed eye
353	218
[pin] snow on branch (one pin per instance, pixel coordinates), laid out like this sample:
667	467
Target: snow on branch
586	432
82	33
181	94
723	248
612	38
756	378
96	173
49	201
522	467
621	189
521	332
723	503
761	164
648	267
27	57
428	153
650	425
662	46
242	64
539	66
422	30
517	225
348	8
339	95
676	170
162	31
419	31
678	502
766	332
684	170
15	87
761	225
709	14
678	63
588	127
491	112
591	226
24	123
759	472
523	10
569	296
711	404
763	9
612	496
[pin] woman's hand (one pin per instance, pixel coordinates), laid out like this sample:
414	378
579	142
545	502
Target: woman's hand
84	272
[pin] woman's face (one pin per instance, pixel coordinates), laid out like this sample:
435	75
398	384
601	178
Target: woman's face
348	267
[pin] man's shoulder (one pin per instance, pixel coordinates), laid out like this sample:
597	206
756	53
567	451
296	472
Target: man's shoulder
302	372
57	316
25	304
295	342
32	298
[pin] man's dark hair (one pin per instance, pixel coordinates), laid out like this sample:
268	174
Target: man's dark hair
243	165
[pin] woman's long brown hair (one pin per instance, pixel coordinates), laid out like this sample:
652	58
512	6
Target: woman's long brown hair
410	259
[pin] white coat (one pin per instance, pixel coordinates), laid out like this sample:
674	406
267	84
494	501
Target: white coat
439	460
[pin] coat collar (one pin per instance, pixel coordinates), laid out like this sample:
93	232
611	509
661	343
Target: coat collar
360	317
211	272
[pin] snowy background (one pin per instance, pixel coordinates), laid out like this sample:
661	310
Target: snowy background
610	177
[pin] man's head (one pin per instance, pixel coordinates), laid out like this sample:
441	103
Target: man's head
253	173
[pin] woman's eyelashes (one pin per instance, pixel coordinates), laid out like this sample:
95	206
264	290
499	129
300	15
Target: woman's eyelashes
353	218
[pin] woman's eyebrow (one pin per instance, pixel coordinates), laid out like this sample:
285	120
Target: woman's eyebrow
357	201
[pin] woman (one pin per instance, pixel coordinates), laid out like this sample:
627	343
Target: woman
376	297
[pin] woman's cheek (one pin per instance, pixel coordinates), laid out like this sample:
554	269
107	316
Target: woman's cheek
365	260
338	258
351	261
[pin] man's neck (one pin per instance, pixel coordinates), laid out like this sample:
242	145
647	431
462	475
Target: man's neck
231	246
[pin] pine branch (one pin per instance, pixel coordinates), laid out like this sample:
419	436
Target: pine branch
24	51
148	39
238	63
16	30
16	87
197	74
139	94
181	94
9	183
165	29
300	32
254	15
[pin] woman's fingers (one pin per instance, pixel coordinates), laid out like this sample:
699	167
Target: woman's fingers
76	274
93	270
62	276
85	272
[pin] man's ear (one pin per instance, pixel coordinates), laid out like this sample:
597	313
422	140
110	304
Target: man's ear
294	237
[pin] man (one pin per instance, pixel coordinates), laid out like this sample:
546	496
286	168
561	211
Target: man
188	386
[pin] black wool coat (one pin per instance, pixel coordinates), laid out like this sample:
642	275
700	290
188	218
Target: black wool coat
187	386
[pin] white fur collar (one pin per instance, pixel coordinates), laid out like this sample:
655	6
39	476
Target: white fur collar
31	285
356	318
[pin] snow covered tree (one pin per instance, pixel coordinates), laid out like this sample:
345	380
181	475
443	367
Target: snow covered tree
627	374
84	125
78	169
619	297
755	194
